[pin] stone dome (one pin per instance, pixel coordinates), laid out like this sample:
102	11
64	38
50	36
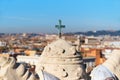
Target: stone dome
62	60
59	47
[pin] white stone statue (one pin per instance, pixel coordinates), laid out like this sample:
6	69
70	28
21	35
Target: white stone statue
109	70
10	71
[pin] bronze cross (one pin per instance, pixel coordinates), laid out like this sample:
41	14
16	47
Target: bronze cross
59	27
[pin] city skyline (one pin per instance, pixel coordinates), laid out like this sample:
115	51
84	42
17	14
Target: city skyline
43	15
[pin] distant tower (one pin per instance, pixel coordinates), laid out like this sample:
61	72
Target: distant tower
59	27
79	43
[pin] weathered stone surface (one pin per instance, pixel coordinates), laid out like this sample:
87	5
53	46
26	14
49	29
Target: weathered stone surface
62	60
8	71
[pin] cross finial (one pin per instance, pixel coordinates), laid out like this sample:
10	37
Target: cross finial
59	27
60	22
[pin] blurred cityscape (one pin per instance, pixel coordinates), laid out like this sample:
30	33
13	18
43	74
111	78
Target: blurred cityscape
27	47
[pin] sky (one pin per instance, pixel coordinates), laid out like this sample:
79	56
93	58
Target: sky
41	16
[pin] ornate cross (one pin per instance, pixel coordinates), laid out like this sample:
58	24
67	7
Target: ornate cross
59	27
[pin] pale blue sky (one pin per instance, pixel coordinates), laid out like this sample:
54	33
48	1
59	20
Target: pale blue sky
42	15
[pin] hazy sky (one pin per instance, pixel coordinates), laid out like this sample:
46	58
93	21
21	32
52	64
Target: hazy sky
43	15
